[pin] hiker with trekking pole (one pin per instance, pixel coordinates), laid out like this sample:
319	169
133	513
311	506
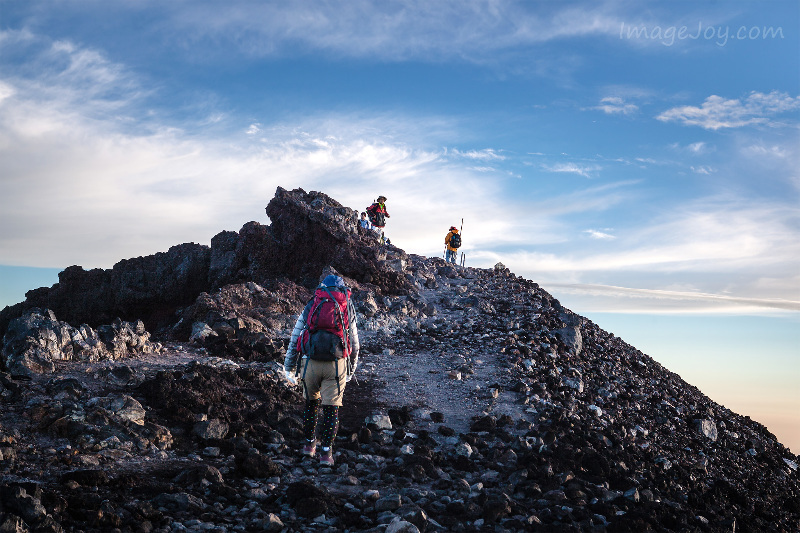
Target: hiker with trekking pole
452	243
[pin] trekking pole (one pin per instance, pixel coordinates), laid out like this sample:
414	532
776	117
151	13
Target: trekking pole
461	232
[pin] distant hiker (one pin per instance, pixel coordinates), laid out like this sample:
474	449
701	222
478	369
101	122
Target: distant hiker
323	353
364	222
453	242
377	213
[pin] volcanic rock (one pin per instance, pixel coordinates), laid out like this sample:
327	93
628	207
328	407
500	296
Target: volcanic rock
35	341
554	424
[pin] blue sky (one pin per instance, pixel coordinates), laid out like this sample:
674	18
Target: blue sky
640	160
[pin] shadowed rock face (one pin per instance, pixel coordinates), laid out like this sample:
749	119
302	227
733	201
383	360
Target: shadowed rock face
150	288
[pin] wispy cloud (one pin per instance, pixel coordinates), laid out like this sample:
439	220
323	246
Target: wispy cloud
600	235
488	154
392	30
703	169
717	112
614	105
573	168
627	299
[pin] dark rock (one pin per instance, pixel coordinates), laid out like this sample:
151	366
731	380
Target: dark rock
485	423
255	465
87	478
309	500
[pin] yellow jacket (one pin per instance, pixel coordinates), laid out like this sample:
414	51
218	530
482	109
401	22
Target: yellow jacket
447	240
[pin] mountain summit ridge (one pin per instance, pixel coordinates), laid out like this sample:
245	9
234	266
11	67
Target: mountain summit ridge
480	404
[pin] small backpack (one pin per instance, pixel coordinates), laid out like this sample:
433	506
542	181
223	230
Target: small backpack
325	337
455	240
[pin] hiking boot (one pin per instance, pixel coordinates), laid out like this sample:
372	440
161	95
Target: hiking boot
326	458
310	449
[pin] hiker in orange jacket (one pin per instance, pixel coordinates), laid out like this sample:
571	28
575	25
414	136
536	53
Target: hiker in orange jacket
452	241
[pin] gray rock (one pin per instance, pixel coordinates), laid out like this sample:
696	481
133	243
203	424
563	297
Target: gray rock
388	503
707	428
572	338
382	421
122	406
211	429
272	523
35	340
463	449
401	526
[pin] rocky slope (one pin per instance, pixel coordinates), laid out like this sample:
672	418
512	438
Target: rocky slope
481	404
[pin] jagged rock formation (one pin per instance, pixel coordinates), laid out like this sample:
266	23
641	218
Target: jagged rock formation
308	232
35	341
481	404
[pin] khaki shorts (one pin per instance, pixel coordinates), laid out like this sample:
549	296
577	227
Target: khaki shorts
319	380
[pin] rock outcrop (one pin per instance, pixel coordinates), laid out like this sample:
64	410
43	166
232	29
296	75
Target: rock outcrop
35	341
308	232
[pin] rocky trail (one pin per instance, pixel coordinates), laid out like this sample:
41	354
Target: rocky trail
150	398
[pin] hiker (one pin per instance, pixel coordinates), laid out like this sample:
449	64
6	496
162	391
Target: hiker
323	353
364	222
378	214
453	242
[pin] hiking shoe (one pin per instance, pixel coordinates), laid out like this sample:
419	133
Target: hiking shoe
310	449
326	458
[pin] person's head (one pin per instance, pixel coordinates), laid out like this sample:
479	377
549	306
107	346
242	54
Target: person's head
453	228
363	214
382	199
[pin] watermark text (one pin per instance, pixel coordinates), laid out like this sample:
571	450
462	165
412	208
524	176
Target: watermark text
721	35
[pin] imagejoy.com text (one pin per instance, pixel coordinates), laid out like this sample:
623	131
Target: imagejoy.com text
668	35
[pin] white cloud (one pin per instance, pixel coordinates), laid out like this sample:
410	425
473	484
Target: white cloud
614	105
703	169
600	235
572	168
82	185
487	154
717	112
777	152
697	148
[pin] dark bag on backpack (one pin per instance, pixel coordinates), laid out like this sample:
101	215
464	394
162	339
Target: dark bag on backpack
325	337
375	215
455	240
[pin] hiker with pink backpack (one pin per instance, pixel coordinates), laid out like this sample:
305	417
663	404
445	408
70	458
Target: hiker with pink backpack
323	354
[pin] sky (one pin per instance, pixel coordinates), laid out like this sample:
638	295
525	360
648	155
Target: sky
639	160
